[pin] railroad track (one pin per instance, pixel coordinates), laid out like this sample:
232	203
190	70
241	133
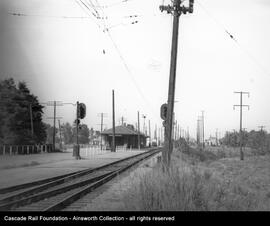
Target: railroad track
56	193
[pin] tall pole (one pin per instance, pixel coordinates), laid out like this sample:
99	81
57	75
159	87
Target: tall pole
176	11
203	145
156	132
241	106
60	134
198	133
139	140
54	116
216	137
159	134
77	126
178	133
31	119
168	137
144	128
188	135
101	128
175	130
113	121
149	128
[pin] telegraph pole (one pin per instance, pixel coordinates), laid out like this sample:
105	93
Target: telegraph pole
203	145
77	127
149	128
175	130
159	134
101	128
60	134
122	120
144	116
188	135
54	104
102	115
198	132
178	133
139	140
241	106
155	133
217	137
113	122
176	10
54	115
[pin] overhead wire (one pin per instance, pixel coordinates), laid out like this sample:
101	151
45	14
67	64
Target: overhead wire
125	64
232	37
48	16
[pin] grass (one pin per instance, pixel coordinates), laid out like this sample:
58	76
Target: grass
192	185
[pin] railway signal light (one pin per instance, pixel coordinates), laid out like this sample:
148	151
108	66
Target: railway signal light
81	110
163	111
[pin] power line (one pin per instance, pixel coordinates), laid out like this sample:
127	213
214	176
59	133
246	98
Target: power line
250	56
126	66
48	16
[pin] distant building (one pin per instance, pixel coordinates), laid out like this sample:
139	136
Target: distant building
125	135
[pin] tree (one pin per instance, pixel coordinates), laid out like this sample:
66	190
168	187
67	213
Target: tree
16	102
49	132
83	135
67	133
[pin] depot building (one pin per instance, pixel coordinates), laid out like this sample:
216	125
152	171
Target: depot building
125	136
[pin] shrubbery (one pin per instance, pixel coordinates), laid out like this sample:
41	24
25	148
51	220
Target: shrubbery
190	189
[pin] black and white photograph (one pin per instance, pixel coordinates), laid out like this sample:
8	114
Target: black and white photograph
133	106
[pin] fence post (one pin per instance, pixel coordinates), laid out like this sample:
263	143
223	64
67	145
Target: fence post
27	148
4	150
10	150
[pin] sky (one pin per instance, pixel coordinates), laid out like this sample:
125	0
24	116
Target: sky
62	52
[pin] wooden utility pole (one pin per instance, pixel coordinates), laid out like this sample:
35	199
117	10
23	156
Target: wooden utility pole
102	115
144	128
122	120
217	137
139	139
188	135
149	128
54	118
198	133
155	133
176	10
113	123
175	130
77	131
31	118
101	129
203	145
159	133
60	133
178	133
241	106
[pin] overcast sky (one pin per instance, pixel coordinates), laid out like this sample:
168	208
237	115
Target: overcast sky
70	59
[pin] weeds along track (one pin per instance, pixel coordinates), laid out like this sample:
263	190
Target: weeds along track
56	193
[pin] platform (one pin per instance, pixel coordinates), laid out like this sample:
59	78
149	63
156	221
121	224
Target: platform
18	169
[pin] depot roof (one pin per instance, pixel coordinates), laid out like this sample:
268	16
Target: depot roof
121	130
